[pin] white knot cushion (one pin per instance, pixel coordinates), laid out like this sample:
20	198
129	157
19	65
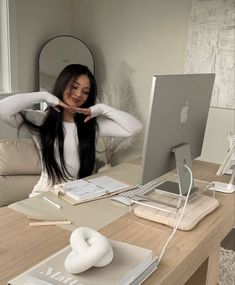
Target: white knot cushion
89	248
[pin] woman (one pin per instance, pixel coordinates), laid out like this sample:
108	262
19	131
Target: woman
66	132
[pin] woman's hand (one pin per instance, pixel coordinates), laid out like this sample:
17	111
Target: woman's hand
64	106
84	111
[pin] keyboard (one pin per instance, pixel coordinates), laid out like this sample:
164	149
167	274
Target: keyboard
131	193
125	197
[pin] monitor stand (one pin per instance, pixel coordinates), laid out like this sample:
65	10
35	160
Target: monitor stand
182	156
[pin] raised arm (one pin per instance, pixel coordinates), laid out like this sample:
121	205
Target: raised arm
114	122
12	105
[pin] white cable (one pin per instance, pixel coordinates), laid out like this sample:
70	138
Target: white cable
180	218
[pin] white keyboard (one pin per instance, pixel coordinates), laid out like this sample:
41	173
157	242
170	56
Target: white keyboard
133	192
125	197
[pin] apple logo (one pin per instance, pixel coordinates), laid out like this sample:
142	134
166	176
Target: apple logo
184	113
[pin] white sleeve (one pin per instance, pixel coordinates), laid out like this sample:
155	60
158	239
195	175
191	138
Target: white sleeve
12	105
114	122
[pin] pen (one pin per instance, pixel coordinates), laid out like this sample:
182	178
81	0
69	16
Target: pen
41	218
50	223
51	202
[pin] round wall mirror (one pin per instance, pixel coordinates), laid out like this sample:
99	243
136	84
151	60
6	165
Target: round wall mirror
58	53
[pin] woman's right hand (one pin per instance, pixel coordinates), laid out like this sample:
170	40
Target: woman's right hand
64	106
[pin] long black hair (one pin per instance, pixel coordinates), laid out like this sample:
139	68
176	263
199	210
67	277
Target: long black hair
51	131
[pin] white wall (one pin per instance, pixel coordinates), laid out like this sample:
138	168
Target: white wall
37	22
150	36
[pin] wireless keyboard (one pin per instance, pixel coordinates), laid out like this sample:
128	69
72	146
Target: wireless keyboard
125	197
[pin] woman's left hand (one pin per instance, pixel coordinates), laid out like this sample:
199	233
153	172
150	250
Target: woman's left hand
84	111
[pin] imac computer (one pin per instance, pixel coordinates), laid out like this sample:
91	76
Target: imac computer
175	128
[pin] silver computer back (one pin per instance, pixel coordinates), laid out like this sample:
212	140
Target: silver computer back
178	114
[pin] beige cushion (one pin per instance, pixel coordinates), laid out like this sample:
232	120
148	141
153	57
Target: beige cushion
195	211
15	188
19	157
20	169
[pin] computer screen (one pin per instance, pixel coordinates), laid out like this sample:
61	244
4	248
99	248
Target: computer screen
178	115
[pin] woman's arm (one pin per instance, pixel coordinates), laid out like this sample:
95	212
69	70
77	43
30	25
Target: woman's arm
114	122
12	105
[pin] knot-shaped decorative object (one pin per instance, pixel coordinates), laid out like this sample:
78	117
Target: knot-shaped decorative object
89	248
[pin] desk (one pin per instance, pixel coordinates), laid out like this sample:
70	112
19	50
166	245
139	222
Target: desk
187	259
22	246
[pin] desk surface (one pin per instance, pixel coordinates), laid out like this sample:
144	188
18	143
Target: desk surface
22	246
184	255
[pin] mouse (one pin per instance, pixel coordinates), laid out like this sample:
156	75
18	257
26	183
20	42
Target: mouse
122	199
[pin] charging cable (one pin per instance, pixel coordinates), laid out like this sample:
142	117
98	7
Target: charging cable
180	218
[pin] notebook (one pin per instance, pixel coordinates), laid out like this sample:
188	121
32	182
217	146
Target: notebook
131	265
84	190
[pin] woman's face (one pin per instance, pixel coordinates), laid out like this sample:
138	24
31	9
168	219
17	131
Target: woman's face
77	91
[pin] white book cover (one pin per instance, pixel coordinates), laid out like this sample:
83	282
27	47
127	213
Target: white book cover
131	265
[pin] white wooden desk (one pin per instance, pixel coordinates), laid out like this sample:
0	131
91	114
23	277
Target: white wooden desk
191	258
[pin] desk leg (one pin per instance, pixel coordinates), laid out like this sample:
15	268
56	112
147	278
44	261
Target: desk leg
213	267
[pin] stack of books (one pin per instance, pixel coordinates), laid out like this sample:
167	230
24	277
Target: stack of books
131	265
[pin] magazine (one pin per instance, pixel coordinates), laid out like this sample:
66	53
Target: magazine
131	265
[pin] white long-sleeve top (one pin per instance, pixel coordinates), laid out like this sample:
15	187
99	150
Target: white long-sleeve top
111	122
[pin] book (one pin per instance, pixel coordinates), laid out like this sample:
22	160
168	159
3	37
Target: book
131	265
84	190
